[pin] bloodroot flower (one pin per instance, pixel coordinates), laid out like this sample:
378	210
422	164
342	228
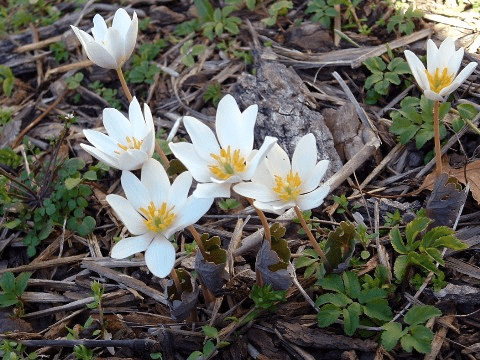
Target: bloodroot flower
154	210
219	164
277	186
110	47
440	78
129	143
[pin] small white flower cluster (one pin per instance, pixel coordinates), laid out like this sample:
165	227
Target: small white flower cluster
154	209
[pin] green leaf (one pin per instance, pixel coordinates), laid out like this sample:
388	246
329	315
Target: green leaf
378	309
204	9
304	261
87	226
467	111
451	242
435	255
332	282
21	282
90	175
369	295
195	355
210	331
352	285
328	315
420	314
375	64
422	338
400	266
382	87
414	227
351	318
208	348
423	260
12	224
393	332
46	230
7	283
397	241
393	78
429	238
372	79
70	183
422	136
338	299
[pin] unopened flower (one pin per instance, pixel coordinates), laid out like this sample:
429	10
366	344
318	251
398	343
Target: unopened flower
440	77
129	143
219	164
110	47
278	185
154	210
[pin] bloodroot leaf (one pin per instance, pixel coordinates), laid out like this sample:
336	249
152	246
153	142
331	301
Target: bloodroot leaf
181	305
340	245
267	259
212	275
446	201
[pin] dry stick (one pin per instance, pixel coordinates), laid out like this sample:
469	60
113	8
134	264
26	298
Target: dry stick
311	237
38	119
263	219
176	281
436	130
130	343
124	85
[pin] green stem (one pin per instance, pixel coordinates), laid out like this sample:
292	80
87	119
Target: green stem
312	239
124	85
436	129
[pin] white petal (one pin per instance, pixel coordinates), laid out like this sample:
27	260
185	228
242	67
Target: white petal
185	152
131	245
245	129
429	94
264	176
121	22
116	124
464	74
160	257
304	157
311	182
115	46
179	190
445	52
103	157
127	214
99	28
100	56
148	117
192	210
275	207
212	190
148	145
255	191
278	162
132	159
135	191
137	123
418	69
101	141
203	139
131	36
252	165
155	180
82	36
455	61
432	56
313	199
226	123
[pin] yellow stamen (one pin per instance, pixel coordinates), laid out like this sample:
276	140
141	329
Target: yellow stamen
158	219
132	143
228	164
288	188
438	80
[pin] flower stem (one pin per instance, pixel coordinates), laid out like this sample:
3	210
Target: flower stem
263	219
436	129
124	85
176	281
197	238
162	155
312	239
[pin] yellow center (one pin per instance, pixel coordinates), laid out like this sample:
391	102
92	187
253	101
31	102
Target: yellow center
438	80
288	188
227	164
132	143
158	219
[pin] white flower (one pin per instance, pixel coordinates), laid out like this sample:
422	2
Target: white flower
110	47
219	164
440	78
154	210
278	186
129	143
